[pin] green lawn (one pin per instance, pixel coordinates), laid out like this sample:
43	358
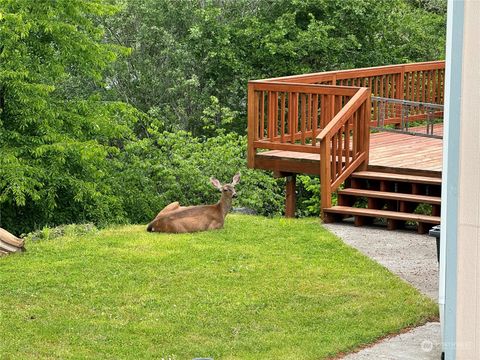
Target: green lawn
258	289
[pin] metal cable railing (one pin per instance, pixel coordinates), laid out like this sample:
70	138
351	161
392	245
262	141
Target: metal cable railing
410	117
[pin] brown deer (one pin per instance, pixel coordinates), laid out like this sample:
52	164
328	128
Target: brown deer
184	219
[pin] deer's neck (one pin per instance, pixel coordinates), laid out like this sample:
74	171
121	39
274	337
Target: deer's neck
225	204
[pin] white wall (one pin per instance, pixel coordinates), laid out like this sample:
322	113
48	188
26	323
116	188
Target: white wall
468	230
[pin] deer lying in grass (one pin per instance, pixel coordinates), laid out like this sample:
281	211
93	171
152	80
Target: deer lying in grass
184	219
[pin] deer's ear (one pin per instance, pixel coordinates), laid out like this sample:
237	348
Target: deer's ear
236	179
216	183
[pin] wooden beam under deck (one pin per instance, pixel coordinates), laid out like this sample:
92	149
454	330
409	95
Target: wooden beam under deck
288	162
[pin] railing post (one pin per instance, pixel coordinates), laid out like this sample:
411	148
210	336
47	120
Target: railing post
366	128
251	126
325	175
400	90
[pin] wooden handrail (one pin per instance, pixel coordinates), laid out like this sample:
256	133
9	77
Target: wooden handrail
339	156
361	72
259	85
344	114
423	82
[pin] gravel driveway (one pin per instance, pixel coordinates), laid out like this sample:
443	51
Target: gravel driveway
412	257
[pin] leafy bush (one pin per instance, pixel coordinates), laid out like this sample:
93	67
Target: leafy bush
165	167
144	175
308	197
48	233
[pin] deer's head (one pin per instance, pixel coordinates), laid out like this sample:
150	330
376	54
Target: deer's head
227	190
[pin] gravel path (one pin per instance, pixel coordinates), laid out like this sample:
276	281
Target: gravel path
412	257
422	343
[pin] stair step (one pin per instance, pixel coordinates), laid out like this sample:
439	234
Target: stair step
397	177
383	214
434	200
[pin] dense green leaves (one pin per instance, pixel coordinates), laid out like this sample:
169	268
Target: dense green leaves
167	167
53	145
188	55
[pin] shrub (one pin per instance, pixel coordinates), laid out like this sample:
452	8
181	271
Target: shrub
48	233
165	167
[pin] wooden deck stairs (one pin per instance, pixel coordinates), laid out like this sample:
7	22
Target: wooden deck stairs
396	198
321	124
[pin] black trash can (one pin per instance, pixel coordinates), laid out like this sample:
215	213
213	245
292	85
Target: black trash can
435	232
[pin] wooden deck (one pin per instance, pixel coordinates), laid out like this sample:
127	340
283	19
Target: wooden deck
389	151
406	153
320	124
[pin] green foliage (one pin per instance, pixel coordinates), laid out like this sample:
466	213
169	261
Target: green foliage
165	167
72	230
308	197
54	145
191	59
258	289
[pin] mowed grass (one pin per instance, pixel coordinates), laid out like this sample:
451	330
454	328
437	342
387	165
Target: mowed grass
258	289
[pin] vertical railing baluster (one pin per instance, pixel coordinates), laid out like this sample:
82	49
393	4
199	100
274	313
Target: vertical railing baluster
282	118
303	108
295	115
291	127
333	166
424	91
347	143
270	115
315	120
339	152
309	115
332	108
355	135
262	115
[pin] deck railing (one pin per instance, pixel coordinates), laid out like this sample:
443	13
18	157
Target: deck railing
421	82
290	116
344	144
330	113
432	116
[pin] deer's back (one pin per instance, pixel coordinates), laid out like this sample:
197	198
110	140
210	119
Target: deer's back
191	219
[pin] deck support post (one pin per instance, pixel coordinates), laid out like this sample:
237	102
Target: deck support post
290	196
251	127
423	227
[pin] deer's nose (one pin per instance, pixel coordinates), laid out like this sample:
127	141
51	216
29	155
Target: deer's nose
234	195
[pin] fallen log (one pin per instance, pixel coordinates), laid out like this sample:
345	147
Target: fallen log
10	243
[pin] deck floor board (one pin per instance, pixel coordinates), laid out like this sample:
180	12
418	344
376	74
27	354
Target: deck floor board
388	150
403	151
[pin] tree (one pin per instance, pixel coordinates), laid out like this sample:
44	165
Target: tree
54	142
191	59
